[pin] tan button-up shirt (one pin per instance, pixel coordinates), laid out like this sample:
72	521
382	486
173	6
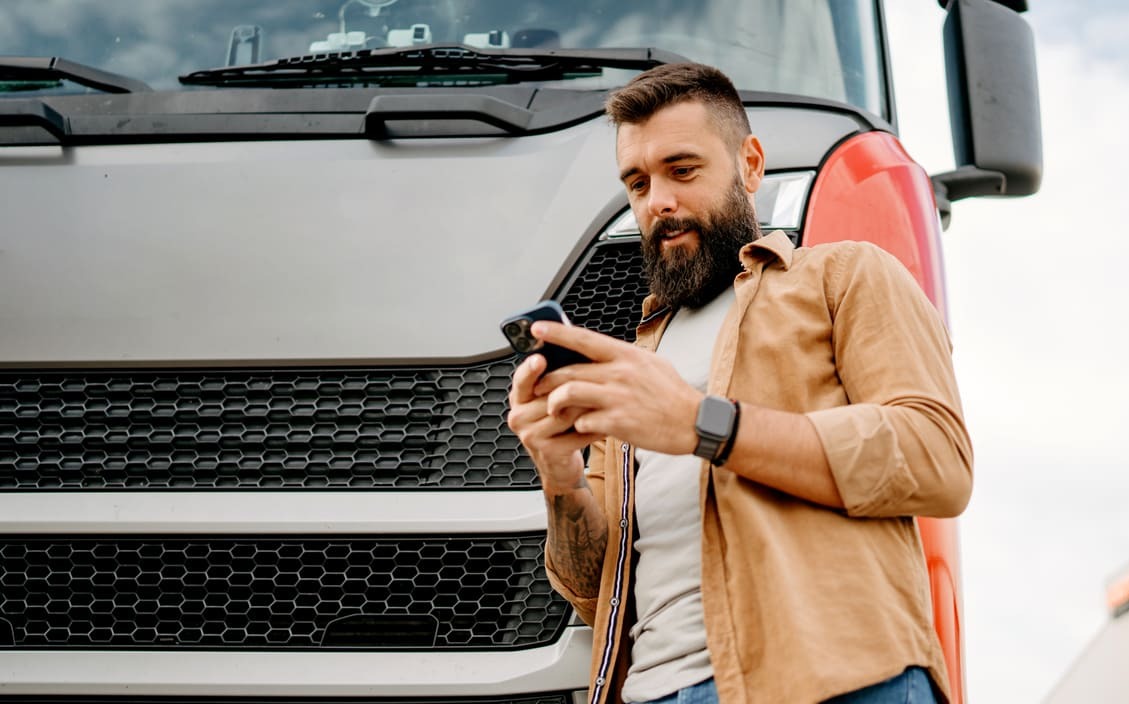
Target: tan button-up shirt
803	602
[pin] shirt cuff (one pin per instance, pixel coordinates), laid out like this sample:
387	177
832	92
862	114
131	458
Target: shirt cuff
585	605
869	469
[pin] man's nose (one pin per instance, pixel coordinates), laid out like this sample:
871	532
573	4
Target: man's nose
661	200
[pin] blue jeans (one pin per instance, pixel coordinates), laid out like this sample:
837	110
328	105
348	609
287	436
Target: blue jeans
910	687
702	693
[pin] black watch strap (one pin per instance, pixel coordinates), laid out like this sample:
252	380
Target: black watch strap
715	425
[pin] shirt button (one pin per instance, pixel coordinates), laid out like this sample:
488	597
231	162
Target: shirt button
623	523
615	601
600	681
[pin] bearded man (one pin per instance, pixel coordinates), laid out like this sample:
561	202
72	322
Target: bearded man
743	531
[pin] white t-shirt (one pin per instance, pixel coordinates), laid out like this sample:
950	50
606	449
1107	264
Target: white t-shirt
669	638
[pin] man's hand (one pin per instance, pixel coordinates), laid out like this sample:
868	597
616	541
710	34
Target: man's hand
625	391
550	440
577	535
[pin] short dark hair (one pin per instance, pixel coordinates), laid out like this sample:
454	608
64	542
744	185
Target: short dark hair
669	84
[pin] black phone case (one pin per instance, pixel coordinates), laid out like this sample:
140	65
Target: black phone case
555	356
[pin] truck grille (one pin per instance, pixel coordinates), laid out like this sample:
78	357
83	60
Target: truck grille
308	592
309	429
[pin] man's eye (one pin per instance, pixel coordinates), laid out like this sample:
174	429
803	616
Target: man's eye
637	185
683	170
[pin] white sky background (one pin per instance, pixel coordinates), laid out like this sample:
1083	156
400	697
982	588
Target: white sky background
1039	310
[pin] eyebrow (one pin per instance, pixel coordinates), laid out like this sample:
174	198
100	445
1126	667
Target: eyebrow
680	156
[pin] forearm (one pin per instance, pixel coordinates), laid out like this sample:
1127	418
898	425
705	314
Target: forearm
782	450
577	536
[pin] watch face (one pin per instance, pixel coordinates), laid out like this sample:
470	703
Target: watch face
715	417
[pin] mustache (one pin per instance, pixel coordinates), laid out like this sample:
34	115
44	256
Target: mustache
666	226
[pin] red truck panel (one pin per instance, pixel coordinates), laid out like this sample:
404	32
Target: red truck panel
870	189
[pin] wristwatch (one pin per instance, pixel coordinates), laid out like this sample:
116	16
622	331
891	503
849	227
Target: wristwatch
716	425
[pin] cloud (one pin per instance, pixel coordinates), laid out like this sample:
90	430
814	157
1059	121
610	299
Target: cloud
1098	25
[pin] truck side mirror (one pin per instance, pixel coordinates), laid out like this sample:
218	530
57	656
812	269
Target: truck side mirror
993	104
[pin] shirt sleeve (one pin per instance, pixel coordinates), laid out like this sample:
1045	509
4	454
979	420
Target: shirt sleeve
900	448
585	604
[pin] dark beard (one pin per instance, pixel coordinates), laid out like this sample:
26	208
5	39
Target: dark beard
693	279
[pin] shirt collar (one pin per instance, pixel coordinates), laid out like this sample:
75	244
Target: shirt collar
775	243
651	308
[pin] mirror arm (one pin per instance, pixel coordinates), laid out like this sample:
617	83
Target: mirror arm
964	182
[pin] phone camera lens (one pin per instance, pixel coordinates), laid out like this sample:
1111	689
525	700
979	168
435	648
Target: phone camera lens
523	344
512	330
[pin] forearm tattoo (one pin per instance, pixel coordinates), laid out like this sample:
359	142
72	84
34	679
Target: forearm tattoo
577	541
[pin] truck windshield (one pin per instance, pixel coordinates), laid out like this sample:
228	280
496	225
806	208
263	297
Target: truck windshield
829	49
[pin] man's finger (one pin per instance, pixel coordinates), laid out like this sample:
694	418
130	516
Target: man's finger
524	415
595	372
558	433
595	424
593	345
577	394
525	378
554	433
567	443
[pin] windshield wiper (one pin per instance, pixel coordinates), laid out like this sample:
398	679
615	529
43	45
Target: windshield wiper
52	68
443	63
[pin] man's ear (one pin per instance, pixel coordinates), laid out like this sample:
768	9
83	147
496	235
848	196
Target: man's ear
750	163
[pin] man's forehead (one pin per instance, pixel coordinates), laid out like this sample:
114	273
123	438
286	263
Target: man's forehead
689	115
671	131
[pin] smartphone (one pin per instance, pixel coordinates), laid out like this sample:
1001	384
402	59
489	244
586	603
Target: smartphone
516	330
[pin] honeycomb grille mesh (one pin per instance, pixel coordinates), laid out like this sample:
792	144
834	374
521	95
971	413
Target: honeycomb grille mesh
356	428
607	293
449	593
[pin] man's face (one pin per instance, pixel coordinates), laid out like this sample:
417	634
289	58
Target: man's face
694	276
690	194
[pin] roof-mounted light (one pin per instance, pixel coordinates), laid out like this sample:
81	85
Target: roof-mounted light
779	201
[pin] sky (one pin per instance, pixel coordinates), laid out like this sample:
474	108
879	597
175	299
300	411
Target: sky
1037	293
